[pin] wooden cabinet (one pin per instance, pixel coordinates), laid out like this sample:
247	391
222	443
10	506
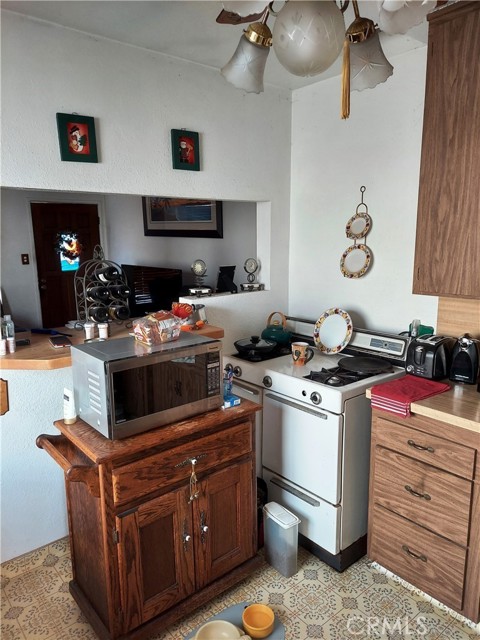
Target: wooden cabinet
424	506
160	523
447	250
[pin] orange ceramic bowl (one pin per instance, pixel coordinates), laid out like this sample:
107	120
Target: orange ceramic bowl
258	620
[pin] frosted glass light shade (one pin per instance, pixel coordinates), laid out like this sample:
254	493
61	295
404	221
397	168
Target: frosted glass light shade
398	16
246	68
368	64
245	7
308	36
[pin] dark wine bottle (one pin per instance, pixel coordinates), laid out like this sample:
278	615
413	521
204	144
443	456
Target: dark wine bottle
118	291
97	293
98	313
107	274
119	312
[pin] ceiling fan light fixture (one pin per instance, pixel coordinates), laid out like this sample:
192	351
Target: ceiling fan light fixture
368	64
308	36
245	7
247	65
259	33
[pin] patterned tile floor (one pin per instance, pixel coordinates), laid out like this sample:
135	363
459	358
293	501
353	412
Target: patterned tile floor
361	603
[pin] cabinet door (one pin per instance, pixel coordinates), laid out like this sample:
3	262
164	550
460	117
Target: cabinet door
155	557
447	246
224	522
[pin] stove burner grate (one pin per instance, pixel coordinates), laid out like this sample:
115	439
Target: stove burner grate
337	376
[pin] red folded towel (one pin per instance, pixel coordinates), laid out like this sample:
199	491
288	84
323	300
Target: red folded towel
396	396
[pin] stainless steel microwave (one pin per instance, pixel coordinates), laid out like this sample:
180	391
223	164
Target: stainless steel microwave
123	387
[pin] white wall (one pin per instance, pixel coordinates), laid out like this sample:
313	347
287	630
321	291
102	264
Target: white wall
136	97
377	147
32	484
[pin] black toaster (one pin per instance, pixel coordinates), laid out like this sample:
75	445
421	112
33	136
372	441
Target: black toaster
465	360
430	357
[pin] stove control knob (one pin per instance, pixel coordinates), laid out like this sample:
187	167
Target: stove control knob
315	397
267	381
410	368
237	371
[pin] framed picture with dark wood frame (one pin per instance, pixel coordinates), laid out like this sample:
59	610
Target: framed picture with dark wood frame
76	135
182	217
185	150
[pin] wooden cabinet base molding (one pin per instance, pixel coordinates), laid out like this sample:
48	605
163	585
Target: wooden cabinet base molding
160	523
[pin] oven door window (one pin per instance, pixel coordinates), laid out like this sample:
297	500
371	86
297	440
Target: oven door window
146	390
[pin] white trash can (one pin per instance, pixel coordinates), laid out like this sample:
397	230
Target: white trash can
280	538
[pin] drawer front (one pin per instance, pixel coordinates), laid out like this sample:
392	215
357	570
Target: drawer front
439	452
150	474
427	561
424	494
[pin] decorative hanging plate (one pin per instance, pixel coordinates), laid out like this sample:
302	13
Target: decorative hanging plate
358	226
355	261
333	331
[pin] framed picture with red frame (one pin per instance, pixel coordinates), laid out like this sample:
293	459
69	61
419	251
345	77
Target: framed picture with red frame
76	135
185	150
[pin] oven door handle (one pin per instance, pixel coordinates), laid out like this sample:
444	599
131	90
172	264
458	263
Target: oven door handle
294	405
250	391
295	492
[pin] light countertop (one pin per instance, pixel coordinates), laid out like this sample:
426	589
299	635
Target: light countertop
460	406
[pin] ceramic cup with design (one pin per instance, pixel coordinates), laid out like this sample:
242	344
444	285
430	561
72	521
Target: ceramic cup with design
301	353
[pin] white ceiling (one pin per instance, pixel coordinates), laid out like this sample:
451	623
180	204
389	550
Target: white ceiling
187	29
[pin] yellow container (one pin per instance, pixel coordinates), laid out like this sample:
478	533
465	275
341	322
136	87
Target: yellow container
258	620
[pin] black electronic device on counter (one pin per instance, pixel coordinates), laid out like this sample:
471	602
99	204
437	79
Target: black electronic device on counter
430	357
465	360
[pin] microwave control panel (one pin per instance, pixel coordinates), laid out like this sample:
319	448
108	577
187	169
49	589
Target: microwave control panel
213	373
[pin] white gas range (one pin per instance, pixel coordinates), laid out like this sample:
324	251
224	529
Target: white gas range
315	446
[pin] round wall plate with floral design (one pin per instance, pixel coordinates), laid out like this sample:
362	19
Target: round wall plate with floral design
333	331
355	261
358	226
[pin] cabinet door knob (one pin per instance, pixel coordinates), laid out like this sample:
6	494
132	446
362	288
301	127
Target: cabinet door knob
203	527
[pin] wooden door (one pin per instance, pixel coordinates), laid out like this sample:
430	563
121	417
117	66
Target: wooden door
224	524
57	293
155	557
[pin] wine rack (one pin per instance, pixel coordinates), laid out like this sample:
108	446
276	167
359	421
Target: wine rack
101	291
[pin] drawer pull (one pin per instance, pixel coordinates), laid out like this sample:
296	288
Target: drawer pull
425	496
417	556
420	447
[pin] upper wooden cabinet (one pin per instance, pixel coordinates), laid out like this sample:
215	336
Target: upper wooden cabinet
447	250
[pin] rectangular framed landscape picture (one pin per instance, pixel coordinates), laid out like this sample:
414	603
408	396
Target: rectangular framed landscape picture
76	136
185	150
182	217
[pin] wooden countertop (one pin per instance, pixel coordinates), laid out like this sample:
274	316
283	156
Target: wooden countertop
460	406
100	449
40	355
